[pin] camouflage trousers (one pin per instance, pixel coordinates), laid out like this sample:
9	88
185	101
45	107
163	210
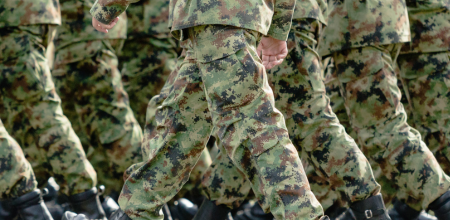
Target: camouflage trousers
426	82
33	109
313	128
145	64
192	188
368	89
16	174
220	82
86	76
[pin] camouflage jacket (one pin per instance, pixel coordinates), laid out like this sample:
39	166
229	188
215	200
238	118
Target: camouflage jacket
316	9
430	26
355	23
148	18
76	24
269	17
26	12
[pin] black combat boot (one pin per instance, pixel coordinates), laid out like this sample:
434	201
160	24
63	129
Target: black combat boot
371	208
183	209
7	211
87	203
108	203
402	211
254	213
441	207
119	215
210	211
339	211
31	207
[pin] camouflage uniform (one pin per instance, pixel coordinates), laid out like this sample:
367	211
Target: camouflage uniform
147	58
314	129
424	65
223	74
86	75
363	38
192	188
16	175
149	54
35	118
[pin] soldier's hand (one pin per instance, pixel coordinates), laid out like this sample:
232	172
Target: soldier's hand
104	27
272	51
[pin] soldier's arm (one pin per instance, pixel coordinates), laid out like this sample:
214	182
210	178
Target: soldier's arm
105	11
282	19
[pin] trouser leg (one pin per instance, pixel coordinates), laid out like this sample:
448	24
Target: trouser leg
35	117
372	100
86	74
16	175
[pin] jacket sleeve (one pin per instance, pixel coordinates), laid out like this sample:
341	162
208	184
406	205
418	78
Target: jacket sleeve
106	10
282	19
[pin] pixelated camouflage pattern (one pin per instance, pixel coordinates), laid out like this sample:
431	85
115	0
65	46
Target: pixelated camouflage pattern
235	92
193	186
16	175
76	24
35	118
354	24
430	24
369	86
271	17
426	80
29	12
315	9
313	128
148	18
145	64
106	10
337	102
86	75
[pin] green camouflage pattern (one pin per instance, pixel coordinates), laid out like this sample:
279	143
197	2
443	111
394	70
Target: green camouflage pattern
145	64
35	117
353	24
314	9
29	12
430	24
426	81
16	175
272	18
337	102
148	19
149	54
86	75
231	92
368	84
148	57
192	188
76	24
314	129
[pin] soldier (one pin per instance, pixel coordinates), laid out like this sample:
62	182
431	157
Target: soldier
18	184
424	72
87	77
364	40
223	73
35	117
313	128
